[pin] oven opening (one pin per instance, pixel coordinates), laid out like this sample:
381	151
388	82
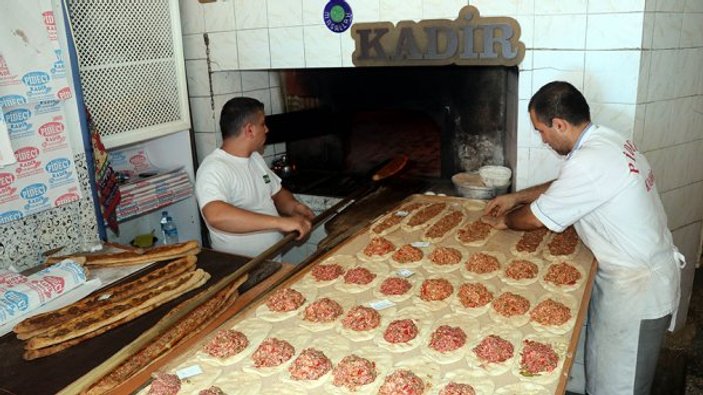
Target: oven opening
343	123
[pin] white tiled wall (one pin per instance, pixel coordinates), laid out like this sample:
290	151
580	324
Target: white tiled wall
637	61
671	98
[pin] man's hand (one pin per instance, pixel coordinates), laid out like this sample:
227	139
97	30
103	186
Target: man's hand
295	223
500	205
303	210
496	222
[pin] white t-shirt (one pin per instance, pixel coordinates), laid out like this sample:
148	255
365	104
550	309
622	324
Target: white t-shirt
606	189
246	183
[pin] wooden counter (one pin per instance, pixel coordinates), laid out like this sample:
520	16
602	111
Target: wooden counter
291	327
50	374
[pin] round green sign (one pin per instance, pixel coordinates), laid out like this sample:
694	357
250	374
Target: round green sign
337	13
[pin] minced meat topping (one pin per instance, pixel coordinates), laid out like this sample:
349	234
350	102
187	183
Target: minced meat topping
272	352
400	331
457	389
447	338
353	372
509	304
358	276
327	272
226	343
475	231
323	310
311	364
426	214
550	312
445	224
435	289
494	349
378	246
445	256
407	254
537	358
564	243
285	299
562	274
394	286
165	384
481	263
530	240
474	295
521	269
214	390
361	318
402	382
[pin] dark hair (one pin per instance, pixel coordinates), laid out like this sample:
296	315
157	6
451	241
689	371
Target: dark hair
559	99
237	112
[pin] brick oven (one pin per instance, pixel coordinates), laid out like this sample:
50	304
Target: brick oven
343	123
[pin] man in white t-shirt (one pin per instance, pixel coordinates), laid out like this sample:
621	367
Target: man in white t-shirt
242	201
605	188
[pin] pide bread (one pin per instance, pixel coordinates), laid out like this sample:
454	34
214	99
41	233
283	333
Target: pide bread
113	312
42	322
155	254
46	351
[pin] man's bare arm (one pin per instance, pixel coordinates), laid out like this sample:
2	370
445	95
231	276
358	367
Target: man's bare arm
228	218
286	204
513	211
521	218
505	203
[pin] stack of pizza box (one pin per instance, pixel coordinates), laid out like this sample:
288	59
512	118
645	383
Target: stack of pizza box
152	193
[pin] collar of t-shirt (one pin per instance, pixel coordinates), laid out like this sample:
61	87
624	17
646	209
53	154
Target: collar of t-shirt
581	138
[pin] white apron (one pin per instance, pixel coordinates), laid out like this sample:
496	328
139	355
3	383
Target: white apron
615	311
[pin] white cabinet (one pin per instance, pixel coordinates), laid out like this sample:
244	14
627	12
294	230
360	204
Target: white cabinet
131	65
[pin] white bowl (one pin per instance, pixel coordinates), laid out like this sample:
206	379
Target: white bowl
495	176
471	186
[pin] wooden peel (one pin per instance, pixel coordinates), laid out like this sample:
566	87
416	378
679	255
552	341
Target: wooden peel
391	168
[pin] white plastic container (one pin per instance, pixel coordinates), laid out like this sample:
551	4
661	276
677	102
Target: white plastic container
496	176
471	186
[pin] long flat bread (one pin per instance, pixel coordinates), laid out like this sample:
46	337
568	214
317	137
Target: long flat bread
42	322
155	254
43	352
46	351
114	312
184	329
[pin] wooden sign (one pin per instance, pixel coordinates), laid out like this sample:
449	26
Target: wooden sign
468	40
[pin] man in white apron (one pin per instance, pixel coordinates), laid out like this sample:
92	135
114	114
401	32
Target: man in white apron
606	190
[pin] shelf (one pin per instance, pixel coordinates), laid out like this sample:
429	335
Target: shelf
153	193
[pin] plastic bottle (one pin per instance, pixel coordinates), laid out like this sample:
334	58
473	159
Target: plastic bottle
170	231
164	216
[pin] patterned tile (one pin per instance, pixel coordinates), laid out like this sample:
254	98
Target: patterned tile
71	225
